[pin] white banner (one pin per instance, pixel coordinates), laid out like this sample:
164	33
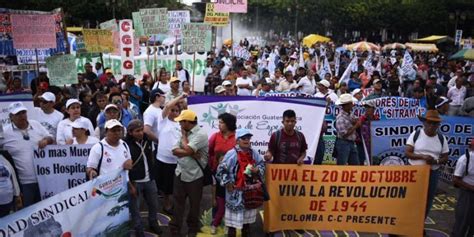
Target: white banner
60	167
144	64
96	208
407	64
262	116
126	46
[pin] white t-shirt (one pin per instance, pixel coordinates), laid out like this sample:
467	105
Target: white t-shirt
168	136
164	87
330	94
90	140
308	86
49	121
152	118
21	150
460	170
427	146
8	184
243	91
65	130
112	159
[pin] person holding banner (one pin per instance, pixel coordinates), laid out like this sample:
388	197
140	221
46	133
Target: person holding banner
46	114
142	177
239	166
287	146
325	93
428	147
463	178
9	188
111	153
64	132
346	126
20	139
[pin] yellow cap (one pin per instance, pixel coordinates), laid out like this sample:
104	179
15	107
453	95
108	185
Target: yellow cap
186	115
173	79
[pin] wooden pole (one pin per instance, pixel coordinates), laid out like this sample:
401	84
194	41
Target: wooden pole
194	67
231	35
37	66
147	56
175	55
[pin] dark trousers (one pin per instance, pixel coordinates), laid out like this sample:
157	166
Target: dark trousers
182	191
464	214
6	208
148	191
31	194
319	157
346	152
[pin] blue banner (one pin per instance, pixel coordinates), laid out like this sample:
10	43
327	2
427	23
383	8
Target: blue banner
389	139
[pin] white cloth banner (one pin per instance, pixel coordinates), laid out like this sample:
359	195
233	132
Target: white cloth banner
407	64
126	46
96	208
60	167
262	116
350	68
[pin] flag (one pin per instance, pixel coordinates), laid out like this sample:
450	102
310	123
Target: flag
301	57
350	68
337	62
407	64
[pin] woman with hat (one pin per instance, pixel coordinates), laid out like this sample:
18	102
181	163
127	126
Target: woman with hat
427	146
240	164
81	134
64	132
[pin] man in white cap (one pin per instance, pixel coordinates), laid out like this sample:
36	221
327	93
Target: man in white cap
21	138
378	91
346	126
325	93
46	114
111	153
229	89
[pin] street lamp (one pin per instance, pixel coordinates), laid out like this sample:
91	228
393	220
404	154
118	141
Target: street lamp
456	16
113	3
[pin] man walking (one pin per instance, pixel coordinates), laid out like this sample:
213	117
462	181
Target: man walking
346	126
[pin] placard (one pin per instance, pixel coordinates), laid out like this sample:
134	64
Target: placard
197	37
98	41
215	18
155	20
137	24
126	47
176	19
236	6
62	70
27	30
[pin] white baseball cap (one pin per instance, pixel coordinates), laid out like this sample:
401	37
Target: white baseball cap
48	96
226	83
112	123
325	83
80	123
356	91
72	101
111	106
16	107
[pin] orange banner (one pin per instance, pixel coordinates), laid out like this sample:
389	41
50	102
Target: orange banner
384	199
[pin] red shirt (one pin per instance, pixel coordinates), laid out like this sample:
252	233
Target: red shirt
218	146
290	148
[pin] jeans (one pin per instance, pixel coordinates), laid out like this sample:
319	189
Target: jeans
319	157
148	191
31	194
434	174
361	153
346	152
464	214
6	208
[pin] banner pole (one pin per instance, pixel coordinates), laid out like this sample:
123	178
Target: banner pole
194	68
147	56
155	66
176	55
37	66
231	34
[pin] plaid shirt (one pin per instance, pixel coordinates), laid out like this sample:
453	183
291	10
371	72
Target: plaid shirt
213	80
343	124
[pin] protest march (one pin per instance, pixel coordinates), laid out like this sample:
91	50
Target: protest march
168	119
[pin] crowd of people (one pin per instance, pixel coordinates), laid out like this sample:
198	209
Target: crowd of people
145	126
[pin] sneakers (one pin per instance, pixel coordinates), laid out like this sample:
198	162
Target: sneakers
213	230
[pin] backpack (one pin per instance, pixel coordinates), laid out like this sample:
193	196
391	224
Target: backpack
102	156
440	137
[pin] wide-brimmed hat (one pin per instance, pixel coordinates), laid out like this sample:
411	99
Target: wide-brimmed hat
345	99
430	115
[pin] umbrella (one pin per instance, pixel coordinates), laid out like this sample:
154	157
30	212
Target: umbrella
417	47
394	46
466	54
311	39
363	46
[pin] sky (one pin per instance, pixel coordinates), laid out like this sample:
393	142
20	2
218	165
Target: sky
189	2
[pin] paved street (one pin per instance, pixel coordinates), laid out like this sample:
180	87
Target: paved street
439	223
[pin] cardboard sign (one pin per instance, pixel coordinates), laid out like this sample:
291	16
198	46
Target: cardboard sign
176	19
62	70
126	47
215	18
237	6
387	199
98	41
109	25
197	37
137	24
33	31
155	20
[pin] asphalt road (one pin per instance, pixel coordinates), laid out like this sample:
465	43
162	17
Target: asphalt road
439	223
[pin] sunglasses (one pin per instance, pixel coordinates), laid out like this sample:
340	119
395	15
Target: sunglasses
246	138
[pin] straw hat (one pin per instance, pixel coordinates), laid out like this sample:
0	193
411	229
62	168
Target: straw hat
431	115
